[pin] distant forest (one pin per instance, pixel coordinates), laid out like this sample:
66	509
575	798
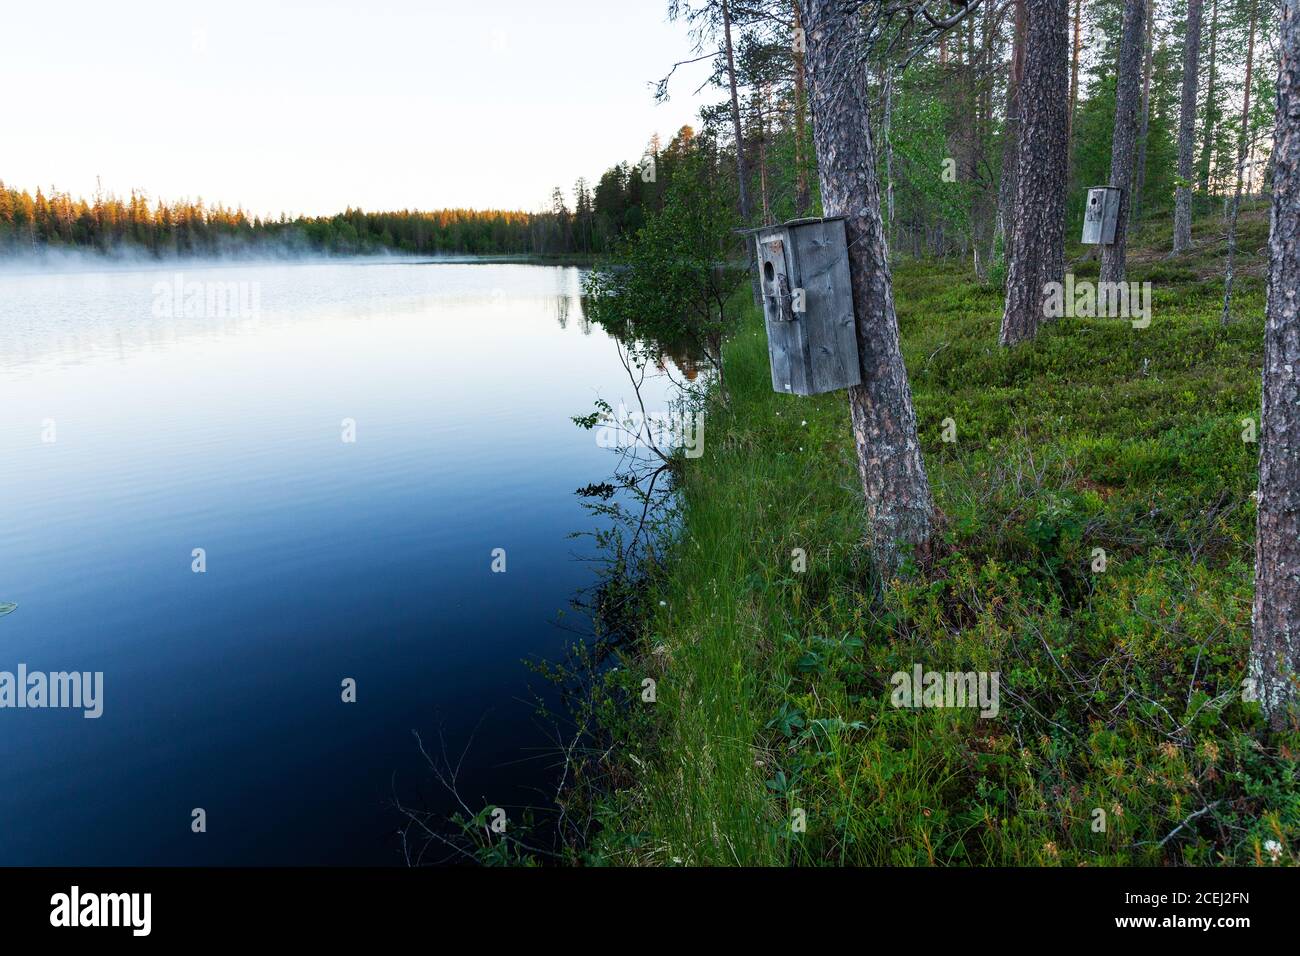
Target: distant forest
112	225
944	125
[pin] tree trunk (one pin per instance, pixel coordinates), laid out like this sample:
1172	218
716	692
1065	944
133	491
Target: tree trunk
1275	647
1211	109
899	509
1128	90
1187	128
1011	134
1036	254
1144	124
742	171
1242	139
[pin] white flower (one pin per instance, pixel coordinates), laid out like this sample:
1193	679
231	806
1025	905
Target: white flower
1273	849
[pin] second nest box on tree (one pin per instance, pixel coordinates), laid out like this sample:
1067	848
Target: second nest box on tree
1101	215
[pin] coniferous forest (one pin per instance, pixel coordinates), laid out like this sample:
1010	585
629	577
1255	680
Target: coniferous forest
944	121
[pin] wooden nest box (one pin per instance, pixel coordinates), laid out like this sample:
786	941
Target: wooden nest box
808	304
1101	215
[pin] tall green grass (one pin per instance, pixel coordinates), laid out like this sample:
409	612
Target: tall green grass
1120	690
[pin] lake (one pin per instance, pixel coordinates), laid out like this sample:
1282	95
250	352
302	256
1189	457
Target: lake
230	515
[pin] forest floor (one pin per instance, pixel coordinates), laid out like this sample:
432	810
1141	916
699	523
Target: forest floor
1121	737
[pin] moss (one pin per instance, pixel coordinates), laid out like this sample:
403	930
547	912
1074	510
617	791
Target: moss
1119	688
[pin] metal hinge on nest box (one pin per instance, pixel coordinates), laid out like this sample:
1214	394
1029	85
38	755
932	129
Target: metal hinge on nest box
808	304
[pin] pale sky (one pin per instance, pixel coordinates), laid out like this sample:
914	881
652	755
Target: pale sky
308	107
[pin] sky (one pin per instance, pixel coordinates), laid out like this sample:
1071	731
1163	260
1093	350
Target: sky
311	107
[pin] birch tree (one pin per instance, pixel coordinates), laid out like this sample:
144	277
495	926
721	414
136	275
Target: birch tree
1275	647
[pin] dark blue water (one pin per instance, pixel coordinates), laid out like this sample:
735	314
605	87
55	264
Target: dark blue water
325	559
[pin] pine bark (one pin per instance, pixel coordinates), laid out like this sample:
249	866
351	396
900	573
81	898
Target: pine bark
899	508
1275	646
1187	128
1128	90
1036	254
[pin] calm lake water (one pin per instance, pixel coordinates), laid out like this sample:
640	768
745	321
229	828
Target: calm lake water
325	559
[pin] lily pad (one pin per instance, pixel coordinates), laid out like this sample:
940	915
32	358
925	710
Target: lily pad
7	607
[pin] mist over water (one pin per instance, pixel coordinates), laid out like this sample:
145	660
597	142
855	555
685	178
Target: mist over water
20	259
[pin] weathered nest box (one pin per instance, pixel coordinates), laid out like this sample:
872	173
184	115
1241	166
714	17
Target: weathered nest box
808	303
1101	215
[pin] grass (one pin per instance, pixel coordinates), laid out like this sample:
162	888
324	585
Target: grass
773	740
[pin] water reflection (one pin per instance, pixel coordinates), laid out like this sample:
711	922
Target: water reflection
326	559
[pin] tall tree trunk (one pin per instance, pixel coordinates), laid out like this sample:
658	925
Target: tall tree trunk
1187	128
1037	252
742	170
899	508
1211	108
802	194
1275	646
1144	123
1124	143
1242	139
1074	76
1011	133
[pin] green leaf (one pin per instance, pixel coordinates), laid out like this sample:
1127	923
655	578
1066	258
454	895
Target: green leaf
7	607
